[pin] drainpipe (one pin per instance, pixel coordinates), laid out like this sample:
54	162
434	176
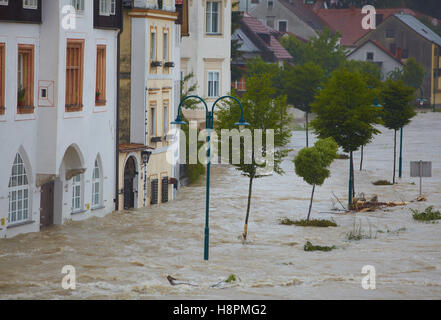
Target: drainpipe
117	111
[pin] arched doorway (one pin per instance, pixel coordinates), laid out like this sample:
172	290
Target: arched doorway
130	183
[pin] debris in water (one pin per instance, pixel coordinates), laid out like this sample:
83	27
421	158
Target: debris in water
174	283
362	205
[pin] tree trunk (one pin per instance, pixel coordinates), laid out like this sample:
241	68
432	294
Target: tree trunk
310	203
395	155
361	160
306	126
245	229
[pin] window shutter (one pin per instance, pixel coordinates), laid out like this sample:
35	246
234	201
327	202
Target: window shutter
164	189
154	192
74	75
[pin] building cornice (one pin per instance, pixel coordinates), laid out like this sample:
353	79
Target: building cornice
154	14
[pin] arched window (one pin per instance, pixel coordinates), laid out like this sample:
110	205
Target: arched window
76	193
18	193
96	185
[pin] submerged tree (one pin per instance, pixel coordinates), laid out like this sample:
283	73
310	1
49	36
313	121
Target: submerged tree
397	109
312	164
301	83
345	112
262	111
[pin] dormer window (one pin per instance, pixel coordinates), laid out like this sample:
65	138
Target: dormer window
30	4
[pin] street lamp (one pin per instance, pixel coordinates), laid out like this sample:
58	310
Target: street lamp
209	119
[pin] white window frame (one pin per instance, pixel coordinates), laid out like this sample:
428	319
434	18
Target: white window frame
213	94
4	2
96	185
272	4
278	25
30	4
165	50
209	14
78	6
77	193
152	121
165	118
18	188
107	7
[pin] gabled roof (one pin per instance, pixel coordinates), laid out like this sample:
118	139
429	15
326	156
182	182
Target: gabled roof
380	46
348	21
307	15
263	37
419	28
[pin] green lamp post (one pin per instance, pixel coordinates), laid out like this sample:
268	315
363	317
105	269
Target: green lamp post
209	125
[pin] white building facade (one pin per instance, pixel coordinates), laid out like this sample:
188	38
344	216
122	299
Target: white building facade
57	128
206	51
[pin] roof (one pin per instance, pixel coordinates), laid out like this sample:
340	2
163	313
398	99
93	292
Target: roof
380	46
129	147
348	21
419	28
263	37
304	12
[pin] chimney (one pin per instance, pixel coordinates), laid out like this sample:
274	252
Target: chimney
399	53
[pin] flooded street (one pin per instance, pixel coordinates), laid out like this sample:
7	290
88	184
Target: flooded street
128	255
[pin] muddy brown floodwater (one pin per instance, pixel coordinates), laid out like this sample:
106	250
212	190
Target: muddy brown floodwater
128	255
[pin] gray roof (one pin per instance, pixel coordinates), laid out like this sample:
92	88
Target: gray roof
419	28
246	44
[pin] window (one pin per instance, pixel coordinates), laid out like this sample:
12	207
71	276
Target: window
212	17
2	78
96	185
78	5
25	78
107	7
165	120
76	193
390	33
270	4
213	83
154	191
152	122
393	48
100	93
153	46
165	47
369	56
270	22
164	189
18	192
283	26
3	2
254	1
74	75
405	54
30	4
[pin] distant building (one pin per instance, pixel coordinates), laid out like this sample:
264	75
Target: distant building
150	86
373	51
206	51
257	40
58	102
292	16
405	36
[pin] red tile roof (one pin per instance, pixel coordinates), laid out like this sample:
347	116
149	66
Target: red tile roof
260	32
348	21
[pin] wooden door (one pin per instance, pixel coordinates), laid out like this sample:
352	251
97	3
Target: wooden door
47	204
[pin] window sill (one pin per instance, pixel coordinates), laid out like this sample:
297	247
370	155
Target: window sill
213	34
74	108
97	208
19	224
100	103
25	109
78	212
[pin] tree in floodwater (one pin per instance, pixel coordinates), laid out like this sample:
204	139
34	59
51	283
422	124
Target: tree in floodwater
312	164
397	109
345	112
301	84
262	111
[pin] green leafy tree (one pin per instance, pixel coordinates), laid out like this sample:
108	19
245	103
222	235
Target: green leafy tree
257	66
312	164
345	112
237	72
397	109
301	83
261	111
412	74
296	48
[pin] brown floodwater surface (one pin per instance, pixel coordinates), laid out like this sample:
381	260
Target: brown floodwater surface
128	255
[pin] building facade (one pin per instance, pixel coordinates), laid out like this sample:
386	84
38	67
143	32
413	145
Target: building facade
58	98
405	36
206	51
150	87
